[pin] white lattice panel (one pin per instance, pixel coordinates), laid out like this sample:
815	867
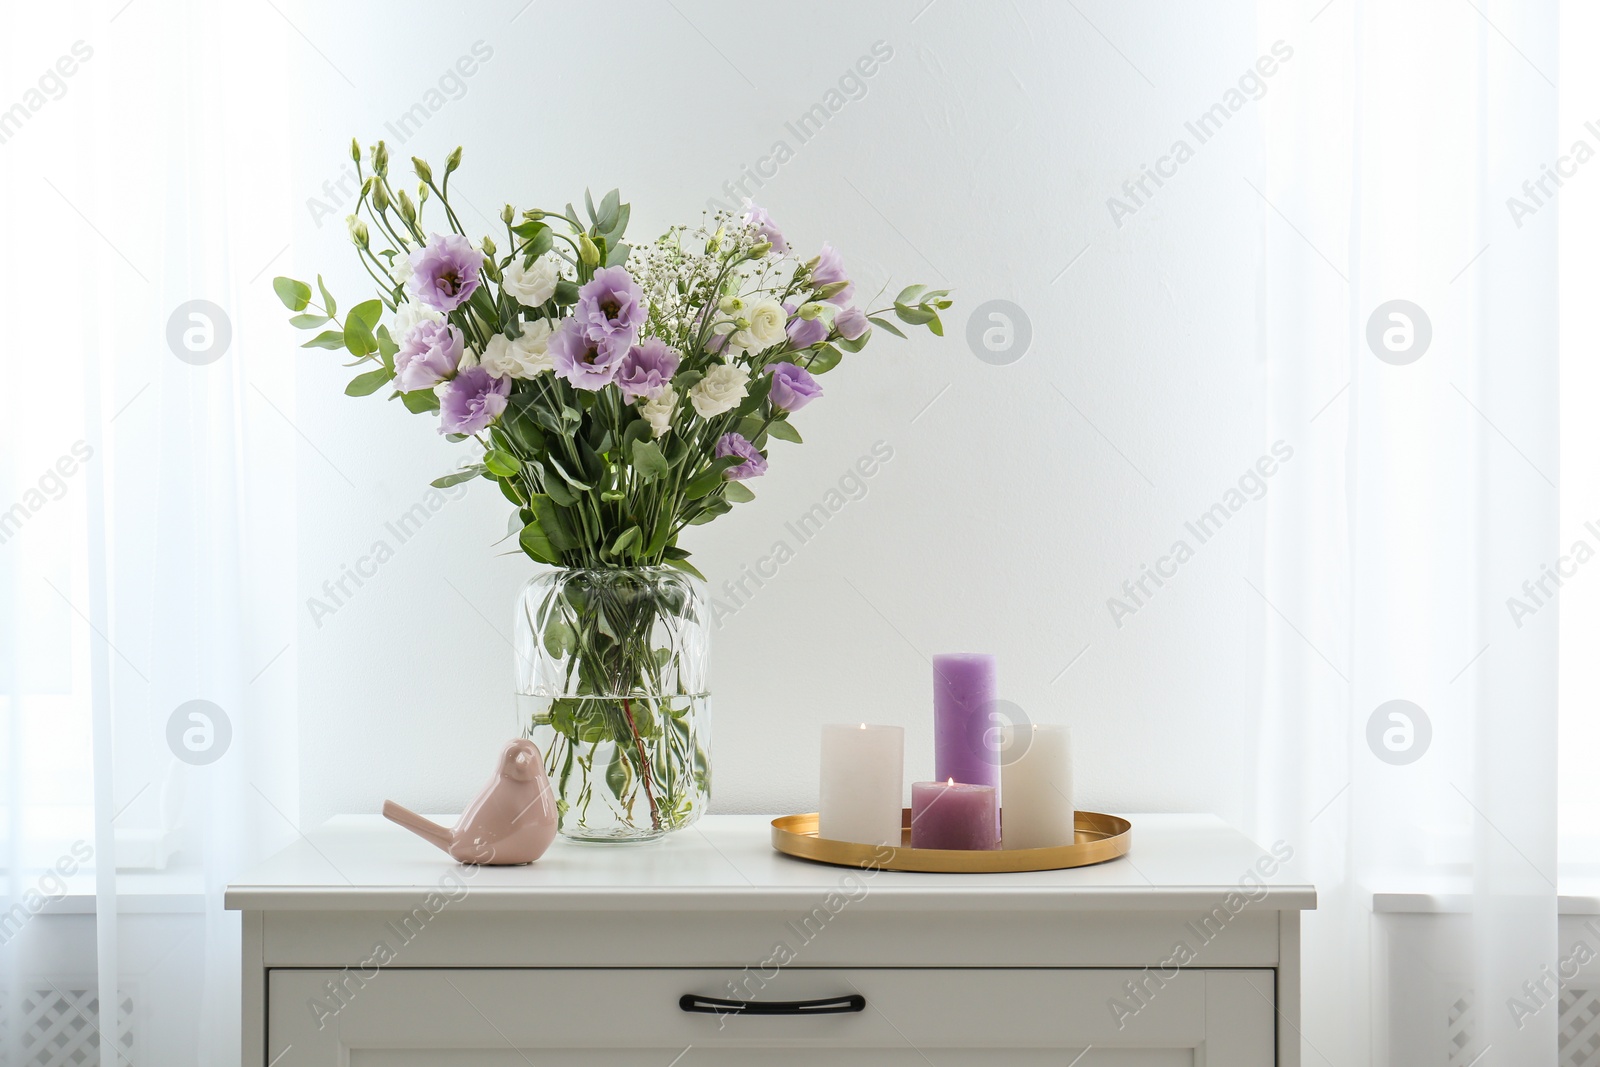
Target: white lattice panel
1461	1037
1580	1028
54	1025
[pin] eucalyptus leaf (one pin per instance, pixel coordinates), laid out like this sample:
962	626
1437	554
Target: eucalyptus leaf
358	338
626	541
686	567
419	401
712	510
559	637
737	493
649	462
295	295
885	324
912	315
368	312
500	463
368	383
825	360
307	321
333	339
537	545
568	478
710	478
465	474
328	305
560	492
553	521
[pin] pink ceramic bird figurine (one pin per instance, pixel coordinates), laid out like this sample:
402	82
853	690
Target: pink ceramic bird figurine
513	820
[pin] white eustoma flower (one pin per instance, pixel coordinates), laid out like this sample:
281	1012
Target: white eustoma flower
657	410
767	320
534	285
520	357
720	390
407	315
400	268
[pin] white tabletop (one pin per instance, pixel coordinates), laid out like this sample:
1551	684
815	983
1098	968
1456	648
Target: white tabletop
361	862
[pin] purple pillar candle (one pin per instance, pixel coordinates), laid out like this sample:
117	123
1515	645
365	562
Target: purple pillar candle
966	744
953	815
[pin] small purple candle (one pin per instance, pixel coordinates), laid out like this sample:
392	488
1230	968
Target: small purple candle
952	815
966	745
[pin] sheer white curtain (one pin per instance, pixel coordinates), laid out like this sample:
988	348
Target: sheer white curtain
146	500
1427	495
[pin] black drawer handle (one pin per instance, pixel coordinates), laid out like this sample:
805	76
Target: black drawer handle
825	1006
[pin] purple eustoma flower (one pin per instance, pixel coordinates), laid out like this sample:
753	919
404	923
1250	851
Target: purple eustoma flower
792	387
754	465
473	400
611	309
647	368
757	216
829	271
583	360
804	333
429	353
444	272
851	323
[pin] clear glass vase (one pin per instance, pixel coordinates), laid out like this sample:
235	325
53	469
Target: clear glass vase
611	685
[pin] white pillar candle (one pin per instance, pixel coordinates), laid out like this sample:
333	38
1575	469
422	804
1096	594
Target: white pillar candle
1036	782
863	771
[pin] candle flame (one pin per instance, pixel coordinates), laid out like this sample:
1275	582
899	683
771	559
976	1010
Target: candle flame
863	726
949	781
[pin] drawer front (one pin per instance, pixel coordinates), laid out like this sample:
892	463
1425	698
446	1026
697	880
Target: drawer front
398	1017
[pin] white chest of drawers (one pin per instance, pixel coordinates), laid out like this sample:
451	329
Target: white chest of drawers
364	947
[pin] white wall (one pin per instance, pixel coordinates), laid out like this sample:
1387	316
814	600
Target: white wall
981	157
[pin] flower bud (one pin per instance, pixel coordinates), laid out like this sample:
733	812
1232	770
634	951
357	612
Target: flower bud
424	171
380	158
380	196
757	251
729	304
533	214
715	242
811	264
587	252
355	151
358	231
453	160
810	311
507	213
407	210
422	193
488	245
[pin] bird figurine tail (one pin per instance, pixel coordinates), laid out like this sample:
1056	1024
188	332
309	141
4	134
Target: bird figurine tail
426	829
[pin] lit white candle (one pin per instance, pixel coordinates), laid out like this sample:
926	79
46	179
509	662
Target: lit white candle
1036	782
863	771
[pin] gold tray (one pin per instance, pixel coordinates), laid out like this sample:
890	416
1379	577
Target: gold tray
1099	838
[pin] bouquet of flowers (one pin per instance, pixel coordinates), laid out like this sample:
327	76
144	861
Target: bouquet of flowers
617	395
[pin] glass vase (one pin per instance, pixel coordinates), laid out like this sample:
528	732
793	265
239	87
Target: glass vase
611	685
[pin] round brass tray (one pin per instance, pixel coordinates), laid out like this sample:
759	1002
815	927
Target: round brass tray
1100	838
